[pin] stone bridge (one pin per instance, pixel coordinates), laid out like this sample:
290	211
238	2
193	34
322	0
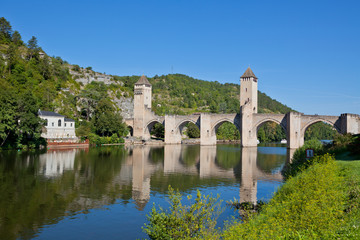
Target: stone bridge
294	124
247	121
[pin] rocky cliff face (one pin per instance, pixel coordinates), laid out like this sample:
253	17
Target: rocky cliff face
86	76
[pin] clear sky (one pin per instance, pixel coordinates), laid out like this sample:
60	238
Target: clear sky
306	54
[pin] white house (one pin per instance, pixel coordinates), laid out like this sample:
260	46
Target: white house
57	126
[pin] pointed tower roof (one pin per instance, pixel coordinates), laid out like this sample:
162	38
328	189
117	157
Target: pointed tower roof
143	80
248	73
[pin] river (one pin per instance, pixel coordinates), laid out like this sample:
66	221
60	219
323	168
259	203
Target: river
106	192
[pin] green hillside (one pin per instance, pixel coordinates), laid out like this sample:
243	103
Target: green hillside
181	94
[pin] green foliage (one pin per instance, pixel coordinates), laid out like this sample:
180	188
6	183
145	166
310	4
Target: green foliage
271	132
351	222
158	130
227	131
181	94
84	129
308	206
5	30
98	141
107	121
192	131
299	161
320	131
181	221
76	68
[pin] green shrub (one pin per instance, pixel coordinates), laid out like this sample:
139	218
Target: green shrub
299	161
97	140
192	131
341	143
195	221
308	206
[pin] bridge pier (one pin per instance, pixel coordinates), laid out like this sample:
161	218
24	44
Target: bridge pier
207	136
350	123
172	135
248	134
295	138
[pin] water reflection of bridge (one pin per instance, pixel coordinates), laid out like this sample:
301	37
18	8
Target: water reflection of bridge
205	163
141	163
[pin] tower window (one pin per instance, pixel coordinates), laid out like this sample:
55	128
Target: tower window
64	124
59	123
52	124
46	122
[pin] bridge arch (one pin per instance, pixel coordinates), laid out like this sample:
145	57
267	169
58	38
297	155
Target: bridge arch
307	125
180	126
266	120
131	130
149	125
264	136
220	122
235	133
332	124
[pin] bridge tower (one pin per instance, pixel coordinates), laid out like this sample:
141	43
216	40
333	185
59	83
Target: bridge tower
142	104
248	106
249	90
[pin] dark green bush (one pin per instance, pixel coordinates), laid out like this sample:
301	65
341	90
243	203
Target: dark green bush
299	161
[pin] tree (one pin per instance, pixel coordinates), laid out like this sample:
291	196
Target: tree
11	57
158	130
16	39
29	123
5	30
192	130
227	131
33	47
90	96
107	121
7	112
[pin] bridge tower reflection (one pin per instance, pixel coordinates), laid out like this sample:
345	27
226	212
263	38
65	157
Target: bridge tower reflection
248	184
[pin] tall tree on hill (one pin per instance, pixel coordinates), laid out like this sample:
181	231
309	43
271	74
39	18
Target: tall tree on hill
5	30
33	47
16	39
11	57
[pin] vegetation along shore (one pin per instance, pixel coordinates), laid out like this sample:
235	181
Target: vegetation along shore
320	199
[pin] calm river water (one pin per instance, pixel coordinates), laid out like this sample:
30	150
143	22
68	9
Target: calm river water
105	193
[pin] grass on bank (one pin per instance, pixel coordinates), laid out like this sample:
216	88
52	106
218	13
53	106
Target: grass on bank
310	205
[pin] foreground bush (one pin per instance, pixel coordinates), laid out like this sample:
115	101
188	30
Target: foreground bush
308	206
186	222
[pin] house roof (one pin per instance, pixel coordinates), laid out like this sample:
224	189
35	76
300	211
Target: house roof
143	80
69	120
49	114
248	73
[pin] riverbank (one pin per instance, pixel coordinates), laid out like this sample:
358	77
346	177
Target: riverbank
320	199
322	202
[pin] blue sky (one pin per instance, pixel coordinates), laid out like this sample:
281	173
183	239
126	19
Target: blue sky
306	54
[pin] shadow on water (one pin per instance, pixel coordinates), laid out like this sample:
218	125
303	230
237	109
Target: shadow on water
40	190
